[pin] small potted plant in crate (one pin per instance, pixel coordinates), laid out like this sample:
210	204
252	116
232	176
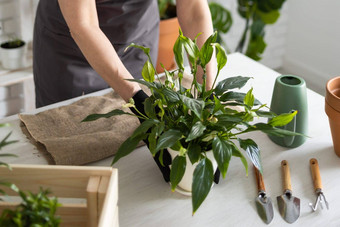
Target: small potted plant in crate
199	127
13	54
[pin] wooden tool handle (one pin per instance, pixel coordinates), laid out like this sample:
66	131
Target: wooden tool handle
259	180
286	176
314	166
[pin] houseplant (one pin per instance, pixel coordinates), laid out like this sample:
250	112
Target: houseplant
13	54
194	121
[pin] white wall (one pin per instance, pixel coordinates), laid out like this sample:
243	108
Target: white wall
313	41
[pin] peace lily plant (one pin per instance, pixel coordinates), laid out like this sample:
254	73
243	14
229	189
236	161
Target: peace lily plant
193	120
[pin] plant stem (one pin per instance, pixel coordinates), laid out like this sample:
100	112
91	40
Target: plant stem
241	43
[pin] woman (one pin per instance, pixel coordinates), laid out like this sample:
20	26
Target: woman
79	44
79	47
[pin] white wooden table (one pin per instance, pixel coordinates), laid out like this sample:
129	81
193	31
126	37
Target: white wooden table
146	200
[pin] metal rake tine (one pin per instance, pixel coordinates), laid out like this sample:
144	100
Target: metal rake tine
324	199
315	206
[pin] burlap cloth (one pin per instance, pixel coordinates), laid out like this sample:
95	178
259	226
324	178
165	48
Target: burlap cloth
69	141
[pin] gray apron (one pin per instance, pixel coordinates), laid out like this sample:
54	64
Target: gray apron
61	71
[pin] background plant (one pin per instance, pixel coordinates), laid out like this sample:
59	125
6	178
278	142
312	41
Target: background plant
193	121
257	14
35	209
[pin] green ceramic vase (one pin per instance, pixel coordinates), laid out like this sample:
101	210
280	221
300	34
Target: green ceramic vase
290	94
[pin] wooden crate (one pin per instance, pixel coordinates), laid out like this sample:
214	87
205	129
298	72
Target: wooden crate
95	190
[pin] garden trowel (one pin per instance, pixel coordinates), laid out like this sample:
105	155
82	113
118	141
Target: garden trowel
289	206
263	203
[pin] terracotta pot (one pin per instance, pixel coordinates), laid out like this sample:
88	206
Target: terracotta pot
334	123
333	93
168	33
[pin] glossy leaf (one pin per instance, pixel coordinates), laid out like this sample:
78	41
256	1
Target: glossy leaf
230	83
196	131
193	104
168	138
236	96
282	119
146	50
148	72
202	181
252	151
178	51
271	130
127	147
149	109
267	114
170	95
222	152
238	153
93	117
191	48
221	56
177	171
249	99
207	50
194	152
144	127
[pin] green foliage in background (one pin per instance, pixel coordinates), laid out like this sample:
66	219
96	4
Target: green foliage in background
36	210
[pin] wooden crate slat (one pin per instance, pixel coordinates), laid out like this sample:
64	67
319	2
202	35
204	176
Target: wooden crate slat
107	217
66	181
92	200
104	184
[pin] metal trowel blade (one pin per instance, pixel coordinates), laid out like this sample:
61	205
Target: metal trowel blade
289	207
264	208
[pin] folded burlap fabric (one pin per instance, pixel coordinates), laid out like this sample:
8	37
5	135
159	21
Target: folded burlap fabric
72	142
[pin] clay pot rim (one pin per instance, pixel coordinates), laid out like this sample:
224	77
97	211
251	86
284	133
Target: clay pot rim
331	112
332	100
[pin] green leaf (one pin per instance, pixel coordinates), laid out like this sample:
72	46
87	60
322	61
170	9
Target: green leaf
222	152
236	96
230	83
202	182
177	171
193	104
191	49
146	50
270	17
194	152
249	99
144	127
227	118
238	153
282	119
267	114
170	95
148	72
93	117
127	147
5	142
221	17
252	151
178	51
221	56
168	138
196	131
207	50
149	108
270	130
